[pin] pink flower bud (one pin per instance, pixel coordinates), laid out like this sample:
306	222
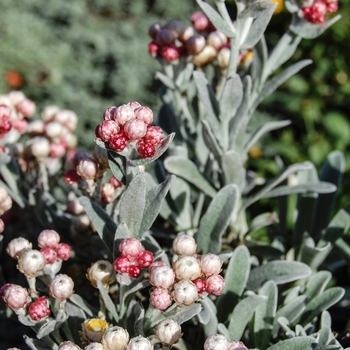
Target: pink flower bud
38	147
2	226
187	268
16	246
74	207
5	125
71	177
200	21
145	114
21	125
332	6
316	13
64	251
48	238
170	53
145	258
156	264
139	343
134	105
210	264
15	297
154	135
57	150
122	264
216	342
154	29
215	284
107	193
118	142
236	345
61	287
200	284
115	182
168	332
26	107
135	129
185	292
39	309
184	245
49	254
134	271
123	114
31	262
165	37
87	169
162	276
109	113
130	248
146	149
160	298
68	345
195	44
153	49
107	129
5	112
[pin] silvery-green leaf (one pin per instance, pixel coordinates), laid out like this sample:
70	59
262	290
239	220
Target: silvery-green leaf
233	169
317	283
46	328
165	80
324	336
292	6
14	195
11	177
26	320
184	77
223	330
262	220
77	300
186	169
210	140
280	271
297	343
108	301
326	320
153	204
121	233
135	317
132	204
242	314
291	311
313	256
265	314
216	19
253	8
236	277
215	221
259	26
186	313
309	30
260	131
160	149
102	222
211	324
321	302
117	166
36	344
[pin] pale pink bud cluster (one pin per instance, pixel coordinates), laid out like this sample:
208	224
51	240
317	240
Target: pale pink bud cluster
132	258
5	201
220	342
316	13
130	124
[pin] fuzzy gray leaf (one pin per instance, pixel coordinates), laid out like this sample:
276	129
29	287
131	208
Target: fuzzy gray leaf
186	313
46	328
297	343
35	344
211	325
313	256
210	140
108	301
117	166
317	283
233	169
77	300
165	80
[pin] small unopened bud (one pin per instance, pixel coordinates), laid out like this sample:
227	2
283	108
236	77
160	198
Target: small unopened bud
168	332
115	338
135	129
236	345
215	284
36	127
185	292
156	264
48	238
15	297
64	251
107	129
57	150
145	258
217	40
67	118
49	254
115	182
107	193
26	107
81	222
207	55
210	264
92	330
140	343
53	130
94	346
187	33
160	298
68	345
195	44
184	245
200	21
38	147
153	49
74	207
216	342
134	105
154	135
170	53
145	114
49	112
223	57
165	37
87	168
118	142
123	114
122	264
200	284
61	287
16	246
162	276
176	26
101	270
154	29
31	262
146	149
187	268
109	113
130	248
39	309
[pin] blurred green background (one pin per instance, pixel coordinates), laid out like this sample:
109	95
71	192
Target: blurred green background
86	55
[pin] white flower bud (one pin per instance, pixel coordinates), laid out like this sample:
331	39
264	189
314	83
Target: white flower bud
94	346
185	293
92	330
49	113
101	270
16	97
53	130
115	338
168	332
36	127
236	345
68	345
16	246
139	343
31	262
187	268
184	245
207	55
216	342
210	264
162	276
61	287
48	238
223	57
37	147
67	118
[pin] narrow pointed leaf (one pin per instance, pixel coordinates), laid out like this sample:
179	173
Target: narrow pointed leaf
165	80
216	219
297	343
317	283
46	328
102	222
186	313
132	204
280	271
211	326
108	301
186	169
233	169
116	165
210	140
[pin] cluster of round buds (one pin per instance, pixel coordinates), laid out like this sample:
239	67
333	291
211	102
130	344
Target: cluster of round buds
15	108
132	258
130	124
5	201
220	342
317	11
190	277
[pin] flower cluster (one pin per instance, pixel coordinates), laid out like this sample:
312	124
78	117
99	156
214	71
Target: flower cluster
133	258
191	276
130	124
316	13
220	342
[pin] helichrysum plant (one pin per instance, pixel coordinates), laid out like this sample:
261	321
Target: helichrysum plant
156	219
